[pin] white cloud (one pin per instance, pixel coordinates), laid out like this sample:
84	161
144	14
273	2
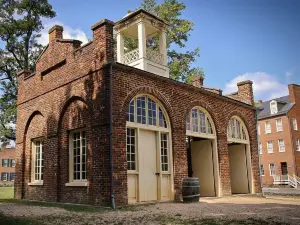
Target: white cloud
265	86
69	33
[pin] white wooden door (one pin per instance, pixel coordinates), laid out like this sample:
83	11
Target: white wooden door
148	165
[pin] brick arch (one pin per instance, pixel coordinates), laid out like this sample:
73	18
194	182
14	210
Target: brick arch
68	103
149	91
208	108
242	117
35	113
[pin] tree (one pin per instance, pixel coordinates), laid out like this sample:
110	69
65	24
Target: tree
179	62
20	23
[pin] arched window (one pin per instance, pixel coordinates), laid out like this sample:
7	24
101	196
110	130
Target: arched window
199	123
145	110
236	130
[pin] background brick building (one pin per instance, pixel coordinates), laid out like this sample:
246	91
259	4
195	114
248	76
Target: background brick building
279	135
75	137
7	167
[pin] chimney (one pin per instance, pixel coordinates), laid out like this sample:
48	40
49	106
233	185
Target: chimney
245	91
197	81
294	93
56	32
103	40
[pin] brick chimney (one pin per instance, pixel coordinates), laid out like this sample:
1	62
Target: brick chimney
103	40
56	32
294	93
197	81
245	91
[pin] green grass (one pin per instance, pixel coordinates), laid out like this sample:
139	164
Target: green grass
6	192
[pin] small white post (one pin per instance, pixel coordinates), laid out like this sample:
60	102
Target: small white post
142	39
120	47
163	47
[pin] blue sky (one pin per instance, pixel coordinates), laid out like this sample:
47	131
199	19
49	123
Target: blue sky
238	40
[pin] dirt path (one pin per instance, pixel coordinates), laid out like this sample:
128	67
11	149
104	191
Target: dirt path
273	209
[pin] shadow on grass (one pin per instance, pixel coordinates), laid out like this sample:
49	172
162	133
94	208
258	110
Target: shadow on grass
18	220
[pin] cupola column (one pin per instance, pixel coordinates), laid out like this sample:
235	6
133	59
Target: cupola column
120	47
163	46
142	39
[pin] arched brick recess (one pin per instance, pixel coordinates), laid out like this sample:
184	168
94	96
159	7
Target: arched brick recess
75	114
35	128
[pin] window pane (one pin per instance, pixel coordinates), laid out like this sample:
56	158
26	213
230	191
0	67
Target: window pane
188	122
195	120
141	110
130	112
131	158
202	122
151	112
162	119
164	152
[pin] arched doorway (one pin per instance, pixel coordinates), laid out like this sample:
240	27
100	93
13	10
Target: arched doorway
239	157
149	151
202	151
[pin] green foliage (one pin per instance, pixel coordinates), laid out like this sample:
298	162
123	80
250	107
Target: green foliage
20	23
180	62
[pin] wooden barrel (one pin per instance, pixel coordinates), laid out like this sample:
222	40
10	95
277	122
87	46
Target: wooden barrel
190	189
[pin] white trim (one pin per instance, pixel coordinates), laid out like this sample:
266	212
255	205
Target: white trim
294	122
33	160
271	170
270	152
268	131
77	184
36	183
279	145
298	144
279	128
242	126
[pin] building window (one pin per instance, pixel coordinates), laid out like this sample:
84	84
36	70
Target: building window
145	110
272	169
258	129
260	148
198	121
236	129
5	162
295	125
12	163
131	149
268	127
298	144
270	146
78	157
281	145
279	125
37	161
164	152
4	176
12	176
273	107
262	170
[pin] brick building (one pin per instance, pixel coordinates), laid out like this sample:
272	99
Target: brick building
101	125
7	167
279	136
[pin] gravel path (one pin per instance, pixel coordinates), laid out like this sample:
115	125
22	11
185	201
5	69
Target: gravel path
276	209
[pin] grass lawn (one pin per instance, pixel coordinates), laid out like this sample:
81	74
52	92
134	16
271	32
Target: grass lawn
6	192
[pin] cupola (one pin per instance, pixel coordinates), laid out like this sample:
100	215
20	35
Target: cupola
148	32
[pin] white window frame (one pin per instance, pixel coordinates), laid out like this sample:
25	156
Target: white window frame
129	150
72	181
279	127
280	147
38	181
10	176
298	144
260	148
268	148
262	170
273	107
268	130
7	164
295	125
274	170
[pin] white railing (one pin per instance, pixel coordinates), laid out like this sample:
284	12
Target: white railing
154	56
293	181
131	56
134	55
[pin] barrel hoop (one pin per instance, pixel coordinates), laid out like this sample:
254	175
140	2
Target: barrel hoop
190	186
191	196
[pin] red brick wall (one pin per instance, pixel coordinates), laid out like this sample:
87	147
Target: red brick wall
7	153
